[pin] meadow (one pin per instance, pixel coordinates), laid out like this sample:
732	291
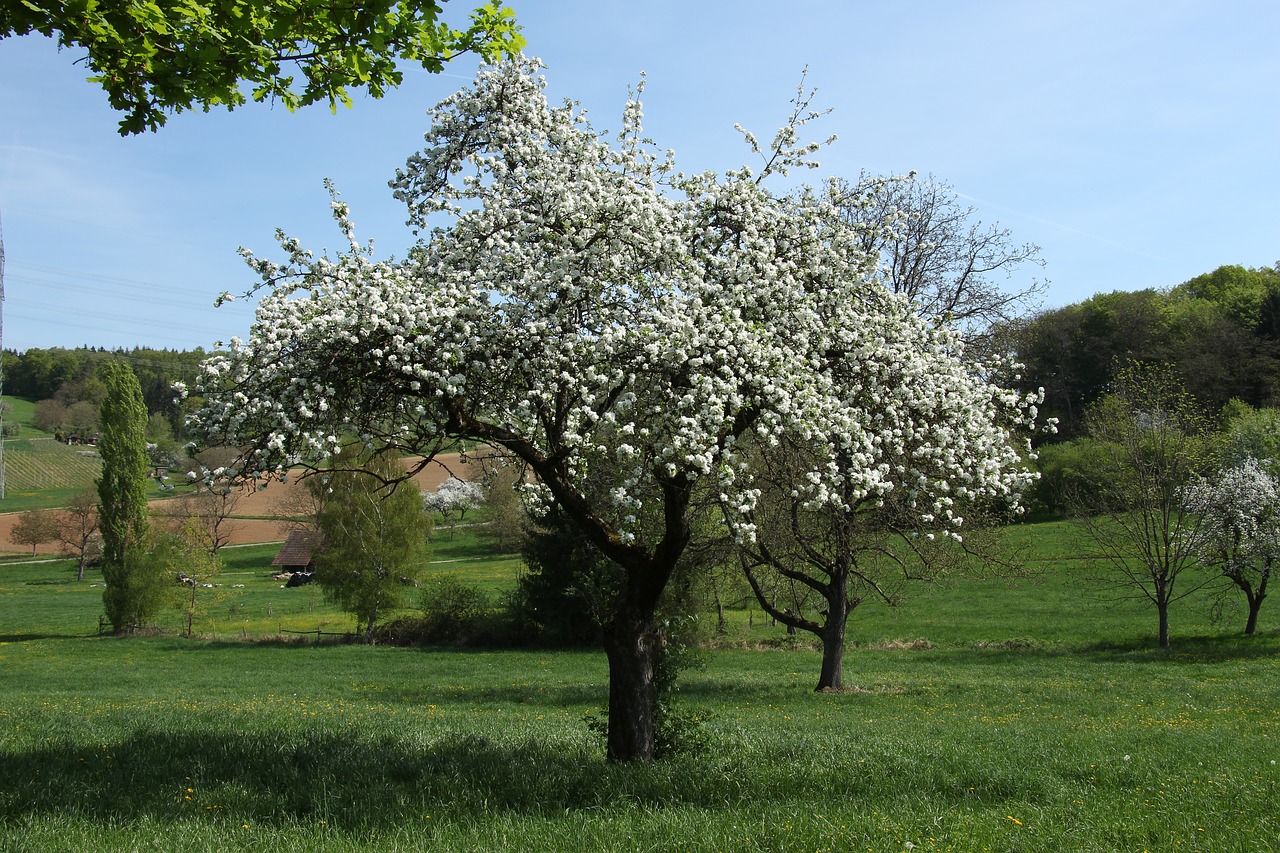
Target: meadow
1027	714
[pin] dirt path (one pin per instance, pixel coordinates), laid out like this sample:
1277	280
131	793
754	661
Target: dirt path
250	526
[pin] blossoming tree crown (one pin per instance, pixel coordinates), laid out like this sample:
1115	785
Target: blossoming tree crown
580	304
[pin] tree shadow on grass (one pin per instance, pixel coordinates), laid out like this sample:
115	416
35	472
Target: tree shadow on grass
359	783
349	782
1202	648
27	638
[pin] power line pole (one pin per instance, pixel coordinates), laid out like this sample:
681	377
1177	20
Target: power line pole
1	359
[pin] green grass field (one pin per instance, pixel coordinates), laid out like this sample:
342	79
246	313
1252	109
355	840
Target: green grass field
1036	715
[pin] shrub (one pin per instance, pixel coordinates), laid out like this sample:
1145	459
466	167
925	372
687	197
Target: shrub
1066	468
452	613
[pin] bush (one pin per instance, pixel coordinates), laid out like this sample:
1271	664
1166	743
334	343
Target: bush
568	587
1066	469
453	613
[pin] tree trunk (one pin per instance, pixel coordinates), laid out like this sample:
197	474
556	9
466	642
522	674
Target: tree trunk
833	630
1255	604
832	677
631	643
1255	600
1163	607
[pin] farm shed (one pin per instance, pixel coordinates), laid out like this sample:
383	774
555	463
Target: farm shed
295	553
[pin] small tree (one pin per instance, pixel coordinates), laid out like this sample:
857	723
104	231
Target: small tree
373	535
1154	440
78	530
205	516
298	508
122	501
35	527
506	518
454	496
1239	511
811	563
185	556
83	420
50	415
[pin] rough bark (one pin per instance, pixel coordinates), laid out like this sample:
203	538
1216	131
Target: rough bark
832	675
1255	604
1256	597
631	644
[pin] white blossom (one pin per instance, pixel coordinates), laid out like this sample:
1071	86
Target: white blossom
583	304
1239	511
454	495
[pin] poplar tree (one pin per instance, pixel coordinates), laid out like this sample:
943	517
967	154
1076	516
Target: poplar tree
122	500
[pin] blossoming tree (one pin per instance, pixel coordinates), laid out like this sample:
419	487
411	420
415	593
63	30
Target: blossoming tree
1240	518
863	542
580	305
454	495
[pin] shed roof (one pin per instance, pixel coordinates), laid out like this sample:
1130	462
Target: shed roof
296	550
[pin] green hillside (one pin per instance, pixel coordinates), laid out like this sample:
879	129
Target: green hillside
39	471
42	464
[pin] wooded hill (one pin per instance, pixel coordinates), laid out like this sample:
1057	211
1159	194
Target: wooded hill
1220	331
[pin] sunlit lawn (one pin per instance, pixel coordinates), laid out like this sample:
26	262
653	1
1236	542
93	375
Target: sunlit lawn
1036	716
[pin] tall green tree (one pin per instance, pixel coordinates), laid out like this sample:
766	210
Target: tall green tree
122	499
374	537
158	56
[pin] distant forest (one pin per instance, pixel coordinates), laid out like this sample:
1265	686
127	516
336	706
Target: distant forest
65	384
1220	331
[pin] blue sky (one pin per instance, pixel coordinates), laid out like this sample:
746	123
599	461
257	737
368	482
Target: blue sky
1134	142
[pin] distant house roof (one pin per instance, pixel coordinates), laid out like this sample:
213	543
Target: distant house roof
296	551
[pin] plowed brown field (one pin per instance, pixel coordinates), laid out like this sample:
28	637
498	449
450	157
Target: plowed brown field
253	522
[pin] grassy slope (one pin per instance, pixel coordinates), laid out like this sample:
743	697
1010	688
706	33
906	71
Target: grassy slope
1042	719
40	472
